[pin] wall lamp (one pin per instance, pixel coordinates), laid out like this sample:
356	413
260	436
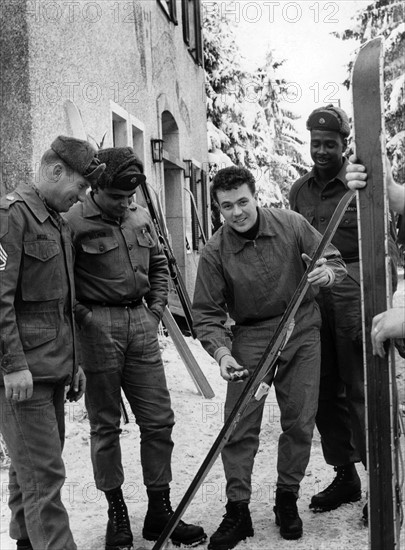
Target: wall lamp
157	150
188	166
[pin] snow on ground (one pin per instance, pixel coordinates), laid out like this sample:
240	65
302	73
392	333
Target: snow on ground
198	421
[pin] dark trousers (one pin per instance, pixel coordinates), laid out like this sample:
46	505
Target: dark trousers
34	434
296	385
120	349
341	411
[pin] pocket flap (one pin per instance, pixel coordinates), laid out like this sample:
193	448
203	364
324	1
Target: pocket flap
41	250
99	246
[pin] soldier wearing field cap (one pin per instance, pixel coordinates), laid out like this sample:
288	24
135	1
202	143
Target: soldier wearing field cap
37	342
121	276
341	415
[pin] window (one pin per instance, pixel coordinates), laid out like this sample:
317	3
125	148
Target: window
119	130
204	202
192	33
170	9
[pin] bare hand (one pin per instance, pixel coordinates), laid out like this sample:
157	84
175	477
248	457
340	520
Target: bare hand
389	324
18	385
356	175
78	386
321	275
231	371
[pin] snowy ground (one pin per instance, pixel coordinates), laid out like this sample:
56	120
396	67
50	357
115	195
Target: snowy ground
198	421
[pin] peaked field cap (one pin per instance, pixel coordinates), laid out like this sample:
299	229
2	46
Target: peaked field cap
329	118
123	170
80	155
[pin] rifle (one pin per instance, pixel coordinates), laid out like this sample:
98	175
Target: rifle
175	273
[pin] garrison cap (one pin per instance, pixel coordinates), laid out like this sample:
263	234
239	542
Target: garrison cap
329	118
123	171
79	155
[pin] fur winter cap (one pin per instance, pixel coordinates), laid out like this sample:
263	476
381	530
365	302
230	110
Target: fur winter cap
80	155
123	168
329	118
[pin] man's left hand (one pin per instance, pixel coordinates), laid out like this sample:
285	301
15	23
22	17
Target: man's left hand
322	275
78	386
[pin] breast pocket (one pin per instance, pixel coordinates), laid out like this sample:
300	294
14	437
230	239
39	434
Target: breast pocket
101	257
309	214
42	277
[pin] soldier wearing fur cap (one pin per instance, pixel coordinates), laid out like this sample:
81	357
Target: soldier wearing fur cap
341	413
121	276
38	350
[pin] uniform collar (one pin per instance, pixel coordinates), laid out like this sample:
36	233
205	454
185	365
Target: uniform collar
340	176
91	209
34	202
235	243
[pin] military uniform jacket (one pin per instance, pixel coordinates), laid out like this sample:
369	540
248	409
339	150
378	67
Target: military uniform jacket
36	289
117	261
317	204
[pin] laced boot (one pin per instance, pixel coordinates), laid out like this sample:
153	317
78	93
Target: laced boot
24	544
159	513
287	517
346	487
118	535
236	526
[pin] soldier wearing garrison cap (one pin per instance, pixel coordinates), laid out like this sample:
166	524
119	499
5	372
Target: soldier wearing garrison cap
37	342
341	413
121	276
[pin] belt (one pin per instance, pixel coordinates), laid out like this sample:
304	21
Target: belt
131	304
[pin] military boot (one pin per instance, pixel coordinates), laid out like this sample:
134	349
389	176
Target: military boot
118	535
346	487
158	515
24	544
287	517
236	526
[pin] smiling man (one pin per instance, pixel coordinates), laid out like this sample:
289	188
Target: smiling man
341	413
250	269
121	276
37	343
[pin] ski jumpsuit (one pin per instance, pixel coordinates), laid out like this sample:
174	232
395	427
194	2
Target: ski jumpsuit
254	281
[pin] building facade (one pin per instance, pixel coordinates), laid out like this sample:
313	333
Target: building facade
134	69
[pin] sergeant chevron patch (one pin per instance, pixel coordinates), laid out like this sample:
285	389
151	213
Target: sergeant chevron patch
3	258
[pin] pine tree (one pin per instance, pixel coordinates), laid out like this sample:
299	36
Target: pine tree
244	118
385	18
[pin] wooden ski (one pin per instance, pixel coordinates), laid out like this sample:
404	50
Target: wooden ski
197	215
188	358
75	120
384	506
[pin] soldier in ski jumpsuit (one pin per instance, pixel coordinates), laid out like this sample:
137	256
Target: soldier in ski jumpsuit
250	268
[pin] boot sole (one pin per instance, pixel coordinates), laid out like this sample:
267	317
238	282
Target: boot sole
318	509
190	543
228	546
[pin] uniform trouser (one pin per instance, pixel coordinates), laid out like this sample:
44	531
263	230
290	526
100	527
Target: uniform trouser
120	349
341	410
296	385
34	434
